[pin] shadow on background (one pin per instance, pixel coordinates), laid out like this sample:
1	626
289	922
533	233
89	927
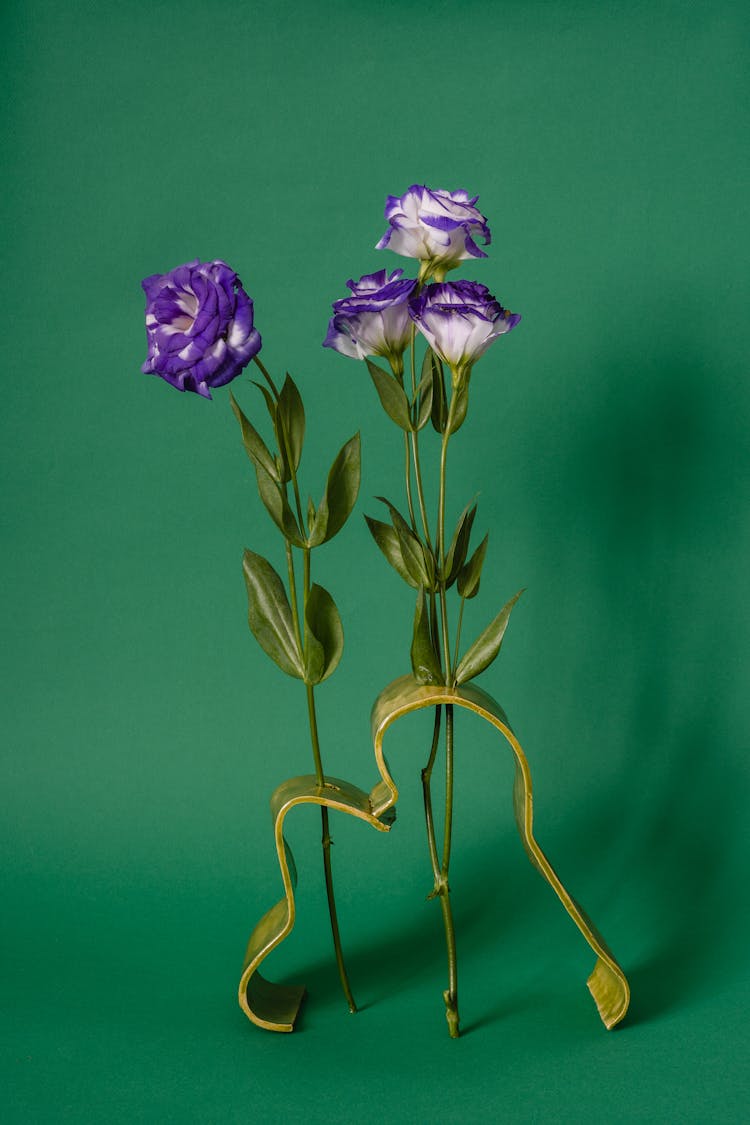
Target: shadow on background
661	498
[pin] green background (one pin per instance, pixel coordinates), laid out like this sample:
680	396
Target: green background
144	730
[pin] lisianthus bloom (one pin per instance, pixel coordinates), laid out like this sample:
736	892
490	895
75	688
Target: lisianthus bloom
438	227
199	326
460	319
375	319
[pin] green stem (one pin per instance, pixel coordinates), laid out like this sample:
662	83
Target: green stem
441	536
441	887
407	473
427	797
261	366
458	639
450	995
326	840
293	594
415	445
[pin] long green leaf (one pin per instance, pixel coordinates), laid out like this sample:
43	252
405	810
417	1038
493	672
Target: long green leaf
391	394
255	447
487	645
425	663
270	615
290	414
274	498
469	575
386	538
340	495
324	635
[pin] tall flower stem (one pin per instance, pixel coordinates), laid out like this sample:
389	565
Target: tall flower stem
450	995
326	840
412	440
407	476
440	870
427	797
326	843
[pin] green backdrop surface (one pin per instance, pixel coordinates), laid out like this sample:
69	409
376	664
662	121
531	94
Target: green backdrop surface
144	730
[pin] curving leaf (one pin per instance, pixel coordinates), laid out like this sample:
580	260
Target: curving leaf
459	547
469	575
340	495
275	500
487	645
425	662
255	447
413	553
386	538
290	422
391	394
269	614
324	636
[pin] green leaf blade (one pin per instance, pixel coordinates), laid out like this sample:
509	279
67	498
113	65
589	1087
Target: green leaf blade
412	550
255	447
387	540
425	662
276	504
456	555
423	401
324	635
487	645
340	494
460	405
270	615
391	394
290	423
439	412
470	574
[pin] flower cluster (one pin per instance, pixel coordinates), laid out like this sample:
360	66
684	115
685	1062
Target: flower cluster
458	319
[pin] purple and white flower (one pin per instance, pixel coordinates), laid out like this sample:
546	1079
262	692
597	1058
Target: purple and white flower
375	319
199	326
438	227
460	320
